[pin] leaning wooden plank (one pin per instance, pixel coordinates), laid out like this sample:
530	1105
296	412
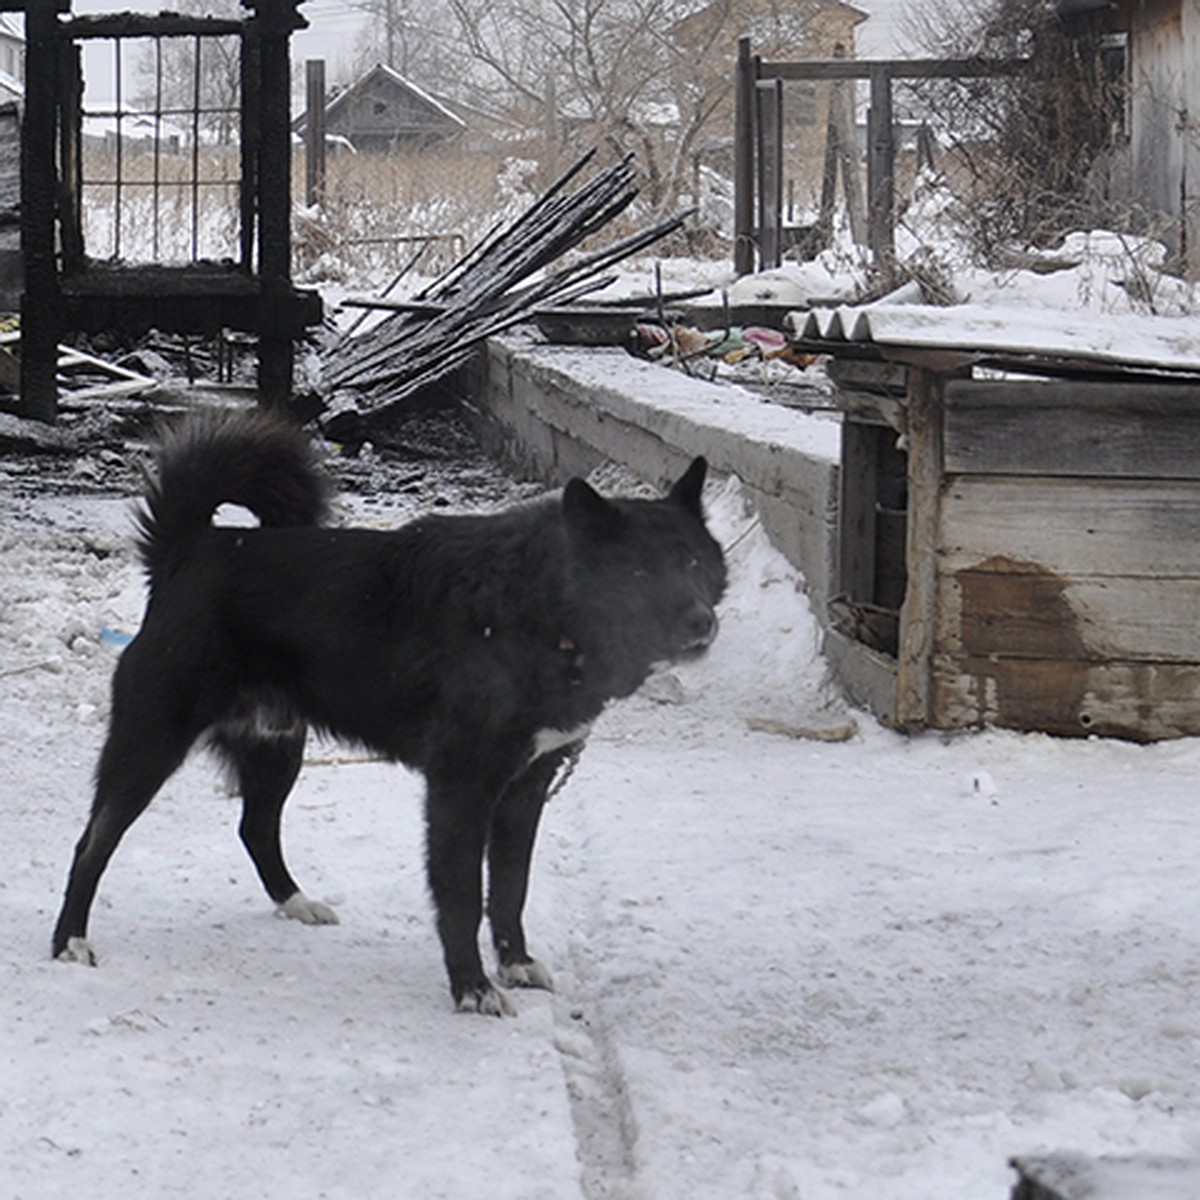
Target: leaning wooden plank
1072	526
867	677
72	356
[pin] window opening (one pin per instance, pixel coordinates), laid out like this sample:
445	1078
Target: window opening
161	173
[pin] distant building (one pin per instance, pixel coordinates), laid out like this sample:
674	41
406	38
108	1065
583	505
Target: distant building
383	112
12	56
1148	52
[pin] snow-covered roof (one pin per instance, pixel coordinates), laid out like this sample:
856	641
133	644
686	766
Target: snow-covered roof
400	81
419	91
1132	340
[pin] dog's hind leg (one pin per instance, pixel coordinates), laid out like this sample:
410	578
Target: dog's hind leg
139	755
265	768
510	851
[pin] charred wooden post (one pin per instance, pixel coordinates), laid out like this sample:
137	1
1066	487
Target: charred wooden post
271	28
42	313
66	289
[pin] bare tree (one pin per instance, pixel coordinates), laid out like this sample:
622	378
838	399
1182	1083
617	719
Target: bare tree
179	76
1027	150
611	72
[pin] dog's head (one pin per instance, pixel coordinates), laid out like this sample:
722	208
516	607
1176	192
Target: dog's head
646	572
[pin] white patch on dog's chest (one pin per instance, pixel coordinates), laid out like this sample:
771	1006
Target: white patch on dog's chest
546	741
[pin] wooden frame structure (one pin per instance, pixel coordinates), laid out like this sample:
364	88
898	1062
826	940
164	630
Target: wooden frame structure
66	290
757	141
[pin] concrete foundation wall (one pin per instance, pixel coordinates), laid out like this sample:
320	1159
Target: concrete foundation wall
552	412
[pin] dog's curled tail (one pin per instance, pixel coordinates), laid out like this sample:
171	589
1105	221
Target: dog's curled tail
246	458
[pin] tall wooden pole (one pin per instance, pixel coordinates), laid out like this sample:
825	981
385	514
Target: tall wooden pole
743	160
314	132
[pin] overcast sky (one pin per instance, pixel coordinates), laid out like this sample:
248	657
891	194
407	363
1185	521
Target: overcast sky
334	26
879	37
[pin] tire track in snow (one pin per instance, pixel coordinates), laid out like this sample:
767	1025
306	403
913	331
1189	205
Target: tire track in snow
605	1127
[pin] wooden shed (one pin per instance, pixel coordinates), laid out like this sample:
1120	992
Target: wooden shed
1019	530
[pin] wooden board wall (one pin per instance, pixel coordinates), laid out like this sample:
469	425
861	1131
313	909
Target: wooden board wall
1068	559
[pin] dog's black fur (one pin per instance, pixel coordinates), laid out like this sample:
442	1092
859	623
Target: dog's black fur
476	648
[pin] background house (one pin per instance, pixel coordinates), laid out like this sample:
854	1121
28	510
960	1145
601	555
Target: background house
12	74
12	56
1164	142
383	112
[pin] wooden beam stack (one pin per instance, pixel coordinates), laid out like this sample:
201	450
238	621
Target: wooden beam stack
499	283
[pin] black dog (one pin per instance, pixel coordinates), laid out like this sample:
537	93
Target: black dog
476	648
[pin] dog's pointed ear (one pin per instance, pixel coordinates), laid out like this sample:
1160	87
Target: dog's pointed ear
587	510
690	485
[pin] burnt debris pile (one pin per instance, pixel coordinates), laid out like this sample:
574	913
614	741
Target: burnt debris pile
510	275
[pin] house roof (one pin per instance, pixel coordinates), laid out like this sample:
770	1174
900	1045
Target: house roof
382	70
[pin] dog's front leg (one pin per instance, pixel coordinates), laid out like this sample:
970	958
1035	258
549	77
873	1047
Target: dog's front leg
510	852
457	816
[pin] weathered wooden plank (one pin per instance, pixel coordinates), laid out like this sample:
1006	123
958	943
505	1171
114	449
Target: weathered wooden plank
867	677
1073	428
856	523
871	408
1139	701
886	379
917	612
1010	613
1073	527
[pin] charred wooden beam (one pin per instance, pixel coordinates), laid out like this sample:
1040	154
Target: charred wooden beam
132	24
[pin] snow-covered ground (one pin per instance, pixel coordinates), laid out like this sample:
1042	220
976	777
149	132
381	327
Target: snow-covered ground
787	967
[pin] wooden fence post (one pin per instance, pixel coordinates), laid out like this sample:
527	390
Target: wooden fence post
881	159
769	122
314	132
743	160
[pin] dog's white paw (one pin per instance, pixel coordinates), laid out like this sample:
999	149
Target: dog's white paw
78	950
488	1001
526	975
308	912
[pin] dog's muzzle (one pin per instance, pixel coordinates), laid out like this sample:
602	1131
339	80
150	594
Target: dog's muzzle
700	627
